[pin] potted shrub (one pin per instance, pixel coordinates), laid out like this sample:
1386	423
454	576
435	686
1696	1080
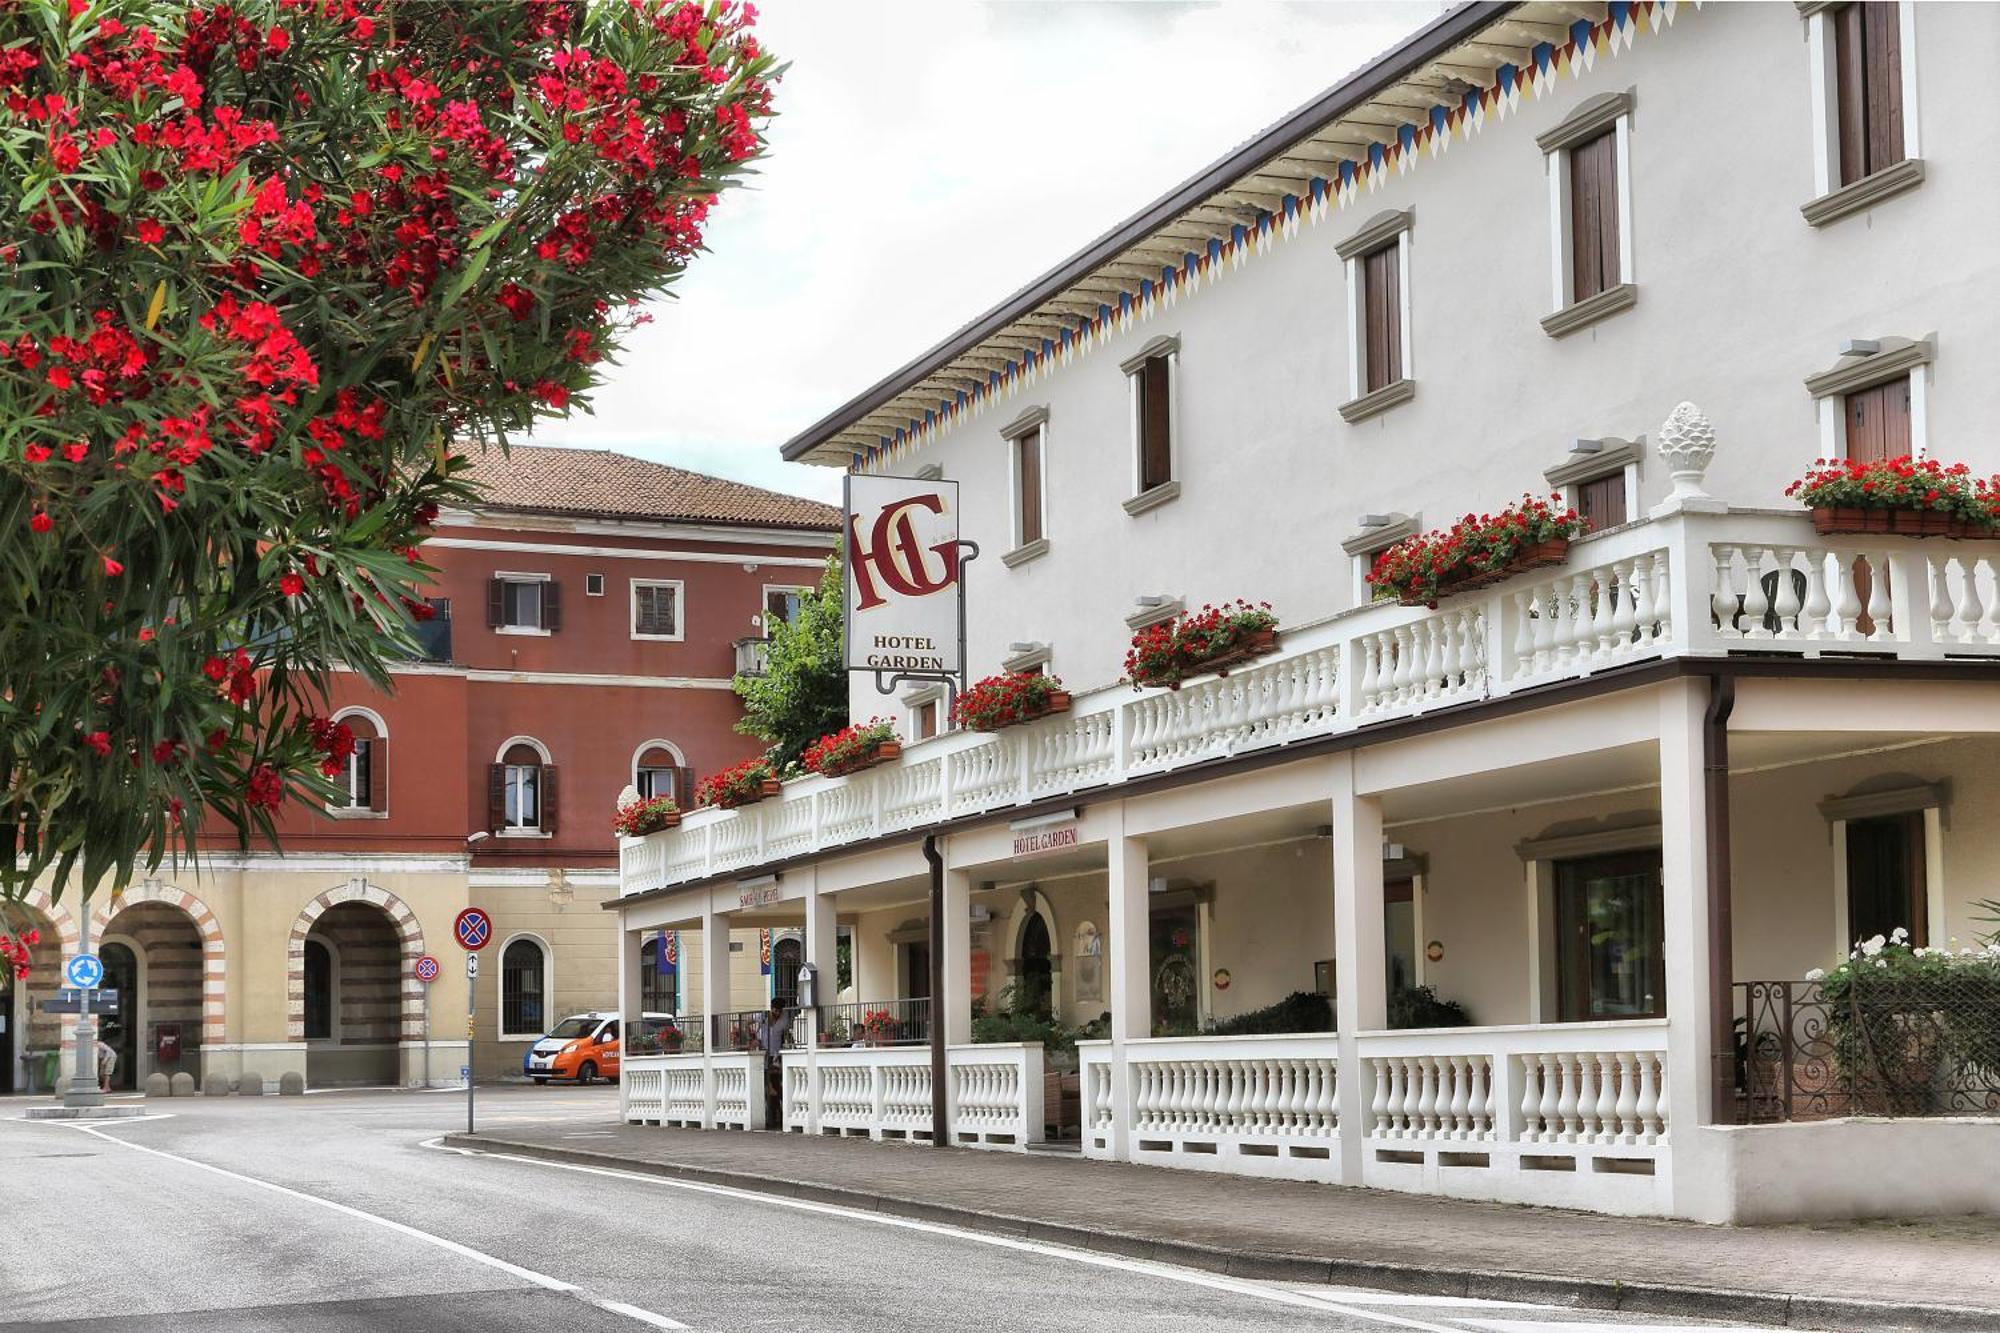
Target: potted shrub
1010	698
1906	496
1915	1030
635	819
853	748
747	783
1214	638
1477	550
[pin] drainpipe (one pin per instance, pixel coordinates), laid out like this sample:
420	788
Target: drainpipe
940	1111
1721	939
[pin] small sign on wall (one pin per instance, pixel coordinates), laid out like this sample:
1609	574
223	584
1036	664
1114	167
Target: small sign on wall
1046	838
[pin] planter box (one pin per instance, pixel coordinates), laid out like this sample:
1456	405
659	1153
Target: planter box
1256	644
671	820
1058	702
881	754
1538	556
1841	520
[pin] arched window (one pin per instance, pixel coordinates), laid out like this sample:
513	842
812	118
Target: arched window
523	988
319	991
659	978
367	768
786	955
521	789
1037	972
658	772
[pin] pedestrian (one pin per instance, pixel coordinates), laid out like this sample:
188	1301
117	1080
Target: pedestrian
107	1058
772	1025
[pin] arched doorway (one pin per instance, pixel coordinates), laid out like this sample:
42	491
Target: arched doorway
786	955
1034	971
30	1033
157	957
357	990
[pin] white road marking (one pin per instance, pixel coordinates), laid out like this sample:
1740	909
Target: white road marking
528	1275
1541	1326
1091	1258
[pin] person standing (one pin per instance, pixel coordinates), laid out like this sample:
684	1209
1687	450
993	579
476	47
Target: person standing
107	1059
772	1025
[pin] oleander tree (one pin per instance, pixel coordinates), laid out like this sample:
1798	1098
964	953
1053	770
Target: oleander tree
266	270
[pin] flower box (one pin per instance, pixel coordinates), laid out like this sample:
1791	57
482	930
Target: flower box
1540	555
635	819
1008	700
1904	497
1842	520
853	748
746	784
1212	639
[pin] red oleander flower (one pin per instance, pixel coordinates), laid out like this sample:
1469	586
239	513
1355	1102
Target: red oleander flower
99	741
292	585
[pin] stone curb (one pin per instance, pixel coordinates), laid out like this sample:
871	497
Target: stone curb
1833	1314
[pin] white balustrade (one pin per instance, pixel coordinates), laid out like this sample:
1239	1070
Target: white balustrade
738	1089
994	1094
1689	584
675	1090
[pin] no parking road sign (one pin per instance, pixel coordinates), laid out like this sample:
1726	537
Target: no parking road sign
427	968
473	929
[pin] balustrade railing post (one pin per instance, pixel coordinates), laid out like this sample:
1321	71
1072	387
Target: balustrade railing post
1121	741
1505	1097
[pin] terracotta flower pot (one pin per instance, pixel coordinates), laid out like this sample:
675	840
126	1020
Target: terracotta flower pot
1842	520
768	787
1058	701
1540	555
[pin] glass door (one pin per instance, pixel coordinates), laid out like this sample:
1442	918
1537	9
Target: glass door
1610	935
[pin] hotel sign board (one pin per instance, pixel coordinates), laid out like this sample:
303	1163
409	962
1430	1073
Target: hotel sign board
1045	838
905	595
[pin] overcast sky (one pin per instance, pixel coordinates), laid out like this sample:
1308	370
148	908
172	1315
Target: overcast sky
929	158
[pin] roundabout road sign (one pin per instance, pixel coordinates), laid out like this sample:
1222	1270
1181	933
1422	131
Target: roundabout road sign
427	968
473	929
84	971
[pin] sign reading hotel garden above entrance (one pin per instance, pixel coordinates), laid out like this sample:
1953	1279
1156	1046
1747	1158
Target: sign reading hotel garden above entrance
904	594
1046	838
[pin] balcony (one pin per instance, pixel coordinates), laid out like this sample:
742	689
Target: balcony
1687	585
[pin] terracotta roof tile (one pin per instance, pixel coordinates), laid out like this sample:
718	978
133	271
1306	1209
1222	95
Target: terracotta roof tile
548	479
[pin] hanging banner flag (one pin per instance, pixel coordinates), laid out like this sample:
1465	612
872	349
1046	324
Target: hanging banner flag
673	948
904	591
764	951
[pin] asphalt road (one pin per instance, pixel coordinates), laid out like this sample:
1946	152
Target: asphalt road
338	1213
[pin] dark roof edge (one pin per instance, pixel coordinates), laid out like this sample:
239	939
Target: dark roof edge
1427	43
829	525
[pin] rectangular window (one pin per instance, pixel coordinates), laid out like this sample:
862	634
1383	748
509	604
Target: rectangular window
523	796
521	605
1877	421
656	609
1593	215
1602	501
1868	87
360	779
924	721
1885	878
593	585
656	782
1382	317
781	605
1153	382
1028	498
1610	938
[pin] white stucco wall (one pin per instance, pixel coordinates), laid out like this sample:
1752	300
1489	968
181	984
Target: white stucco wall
1739	300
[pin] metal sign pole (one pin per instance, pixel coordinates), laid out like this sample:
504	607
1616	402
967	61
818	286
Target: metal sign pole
471	991
427	1038
83	1088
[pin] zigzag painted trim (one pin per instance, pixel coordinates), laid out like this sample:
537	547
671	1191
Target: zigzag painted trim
1549	62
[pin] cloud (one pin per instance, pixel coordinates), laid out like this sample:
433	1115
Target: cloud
928	159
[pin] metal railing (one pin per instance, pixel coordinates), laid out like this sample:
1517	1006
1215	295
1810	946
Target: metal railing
904	1022
738	1031
1899	1047
684	1036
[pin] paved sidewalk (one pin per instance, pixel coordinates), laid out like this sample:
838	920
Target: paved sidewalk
1932	1273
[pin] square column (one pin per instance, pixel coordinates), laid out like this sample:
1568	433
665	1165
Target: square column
714	1000
955	1006
1361	1002
630	1002
1130	948
1692	1012
822	951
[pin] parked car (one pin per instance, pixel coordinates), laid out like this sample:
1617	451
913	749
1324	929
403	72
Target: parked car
585	1047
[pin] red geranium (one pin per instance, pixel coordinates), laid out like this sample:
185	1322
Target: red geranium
1000	701
734	786
1168	653
1416	568
849	748
1899	483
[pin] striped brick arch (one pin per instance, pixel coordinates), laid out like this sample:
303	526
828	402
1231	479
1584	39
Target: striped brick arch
214	978
410	937
58	915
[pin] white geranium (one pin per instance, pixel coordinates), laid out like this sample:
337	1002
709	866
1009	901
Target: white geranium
1899	936
1816	974
1872	946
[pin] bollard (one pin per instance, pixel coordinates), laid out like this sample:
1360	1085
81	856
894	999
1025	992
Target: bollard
252	1085
182	1084
158	1085
217	1085
291	1083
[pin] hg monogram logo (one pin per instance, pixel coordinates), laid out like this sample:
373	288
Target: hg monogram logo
893	557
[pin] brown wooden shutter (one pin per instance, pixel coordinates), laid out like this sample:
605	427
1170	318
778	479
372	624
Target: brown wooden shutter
550	805
552	606
1382	319
496	797
1156	466
1593	215
1850	92
1030	454
684	787
1602	501
496	603
1878	421
1882	33
378	773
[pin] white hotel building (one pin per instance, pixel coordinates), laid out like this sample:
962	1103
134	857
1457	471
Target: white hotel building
1657	257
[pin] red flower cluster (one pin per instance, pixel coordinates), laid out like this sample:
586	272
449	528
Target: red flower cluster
1170	652
1000	701
635	819
849	748
1417	567
735	786
265	790
14	951
236	674
1900	483
334	740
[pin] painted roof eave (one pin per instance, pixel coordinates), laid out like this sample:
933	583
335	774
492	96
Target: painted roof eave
1427	44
